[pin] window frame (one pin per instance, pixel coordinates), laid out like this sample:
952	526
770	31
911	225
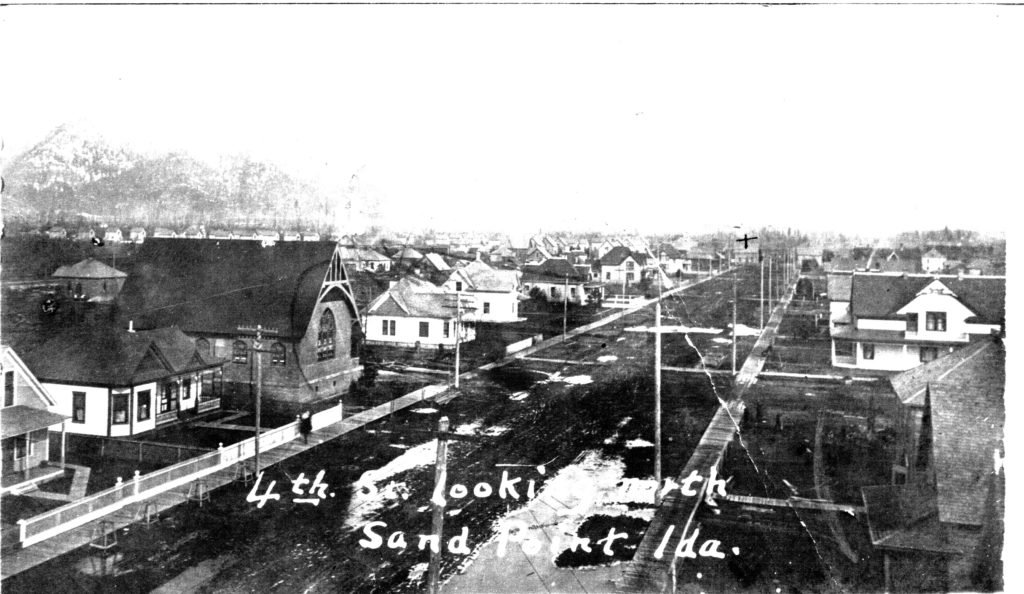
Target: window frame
868	351
935	321
78	404
326	336
240	352
120	403
143	403
278	354
9	382
912	322
934	351
424	330
446	328
487	307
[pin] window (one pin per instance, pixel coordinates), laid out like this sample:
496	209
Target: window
145	401
326	336
572	291
384	327
388	327
424	329
629	277
844	349
608	276
203	346
239	352
929	354
446	332
868	351
9	388
487	307
277	354
630	265
554	292
458	285
20	446
935	321
186	388
169	398
78	407
912	322
392	327
119	406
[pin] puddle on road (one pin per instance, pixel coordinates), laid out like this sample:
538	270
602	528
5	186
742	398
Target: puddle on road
516	378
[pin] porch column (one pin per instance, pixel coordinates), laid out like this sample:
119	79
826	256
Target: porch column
178	400
63	442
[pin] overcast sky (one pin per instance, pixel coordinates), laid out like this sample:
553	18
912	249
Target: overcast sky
521	117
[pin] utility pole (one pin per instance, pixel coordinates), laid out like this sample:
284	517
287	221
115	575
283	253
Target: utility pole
657	396
437	523
257	349
565	309
770	260
734	321
458	335
760	257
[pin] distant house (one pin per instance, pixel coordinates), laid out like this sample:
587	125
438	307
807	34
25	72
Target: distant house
496	292
979	266
415	313
556	280
137	234
407	257
57	233
358	258
939	524
220	234
839	288
164	233
28	415
704	260
241	233
212	290
622	265
113	235
933	261
672	259
604	247
116	382
268	236
899	321
85	234
537	254
291	236
310	236
91	280
194	232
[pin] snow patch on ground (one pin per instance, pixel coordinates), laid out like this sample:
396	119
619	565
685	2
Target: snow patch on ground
615	437
400	446
722	340
387	372
417	571
639	443
495	431
620	339
576	380
607	358
369	494
519	395
744	330
469	428
425	411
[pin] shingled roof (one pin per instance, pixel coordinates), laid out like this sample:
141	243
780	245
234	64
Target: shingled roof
552	269
414	298
212	286
618	254
876	295
482	277
88	268
839	286
101	355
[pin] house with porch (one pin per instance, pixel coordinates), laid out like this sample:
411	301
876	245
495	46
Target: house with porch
218	291
359	258
939	523
898	321
416	313
672	259
494	292
57	233
28	414
164	233
137	234
556	280
118	382
933	261
113	235
621	265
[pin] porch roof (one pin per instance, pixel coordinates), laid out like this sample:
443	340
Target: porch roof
21	419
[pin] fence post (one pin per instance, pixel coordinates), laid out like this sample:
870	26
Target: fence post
119	485
140	452
136	480
220	453
21	529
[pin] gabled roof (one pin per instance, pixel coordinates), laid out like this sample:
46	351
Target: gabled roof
968	417
482	277
875	295
211	286
618	254
362	254
115	357
552	269
88	268
437	262
413	298
408	255
839	286
670	251
933	253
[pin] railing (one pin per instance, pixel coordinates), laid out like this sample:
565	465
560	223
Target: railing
622	301
936	336
208	405
77	513
167	417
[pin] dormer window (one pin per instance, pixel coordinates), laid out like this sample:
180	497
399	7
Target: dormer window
935	321
912	322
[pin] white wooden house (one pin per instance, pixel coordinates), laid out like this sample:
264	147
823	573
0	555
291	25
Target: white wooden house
415	313
495	292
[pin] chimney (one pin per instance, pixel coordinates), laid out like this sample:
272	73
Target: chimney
131	326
